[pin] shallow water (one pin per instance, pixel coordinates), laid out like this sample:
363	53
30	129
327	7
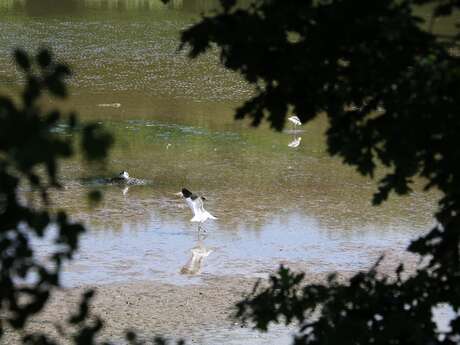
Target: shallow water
173	123
273	204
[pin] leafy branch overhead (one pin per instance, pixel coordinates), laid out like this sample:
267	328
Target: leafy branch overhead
30	152
389	86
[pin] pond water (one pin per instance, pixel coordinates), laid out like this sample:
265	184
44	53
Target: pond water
172	119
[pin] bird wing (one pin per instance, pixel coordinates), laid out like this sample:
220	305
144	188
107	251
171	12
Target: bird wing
196	205
295	120
191	203
207	215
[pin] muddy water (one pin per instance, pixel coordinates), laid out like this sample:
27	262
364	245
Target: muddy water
172	120
274	204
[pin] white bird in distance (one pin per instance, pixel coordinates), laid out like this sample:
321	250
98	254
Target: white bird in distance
295	120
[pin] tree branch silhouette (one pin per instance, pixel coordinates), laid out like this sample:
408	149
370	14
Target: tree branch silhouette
389	89
29	156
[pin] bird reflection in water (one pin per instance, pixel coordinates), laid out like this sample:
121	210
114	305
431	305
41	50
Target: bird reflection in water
295	142
196	261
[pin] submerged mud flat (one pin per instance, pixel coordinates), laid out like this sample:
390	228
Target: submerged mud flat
273	205
162	250
198	313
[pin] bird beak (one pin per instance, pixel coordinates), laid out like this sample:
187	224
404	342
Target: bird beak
179	194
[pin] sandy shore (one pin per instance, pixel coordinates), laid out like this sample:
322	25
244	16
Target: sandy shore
199	313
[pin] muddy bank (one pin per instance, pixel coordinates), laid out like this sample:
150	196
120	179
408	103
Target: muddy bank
199	313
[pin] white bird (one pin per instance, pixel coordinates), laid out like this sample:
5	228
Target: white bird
295	120
122	177
295	142
195	203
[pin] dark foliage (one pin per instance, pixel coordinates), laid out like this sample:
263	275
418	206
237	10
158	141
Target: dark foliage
29	155
29	158
390	88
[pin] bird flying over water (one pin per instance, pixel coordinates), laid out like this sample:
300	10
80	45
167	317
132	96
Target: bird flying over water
195	203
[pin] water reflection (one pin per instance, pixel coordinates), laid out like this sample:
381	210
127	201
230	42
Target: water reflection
195	263
172	119
249	178
158	250
295	142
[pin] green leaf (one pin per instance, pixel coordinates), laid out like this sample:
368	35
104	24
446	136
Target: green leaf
44	58
95	196
95	142
22	59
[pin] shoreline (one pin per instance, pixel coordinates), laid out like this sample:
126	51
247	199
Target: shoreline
199	313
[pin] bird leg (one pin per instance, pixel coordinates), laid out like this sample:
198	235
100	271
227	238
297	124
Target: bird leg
201	236
201	228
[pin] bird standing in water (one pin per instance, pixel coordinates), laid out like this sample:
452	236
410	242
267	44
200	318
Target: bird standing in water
296	140
195	202
295	120
123	177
